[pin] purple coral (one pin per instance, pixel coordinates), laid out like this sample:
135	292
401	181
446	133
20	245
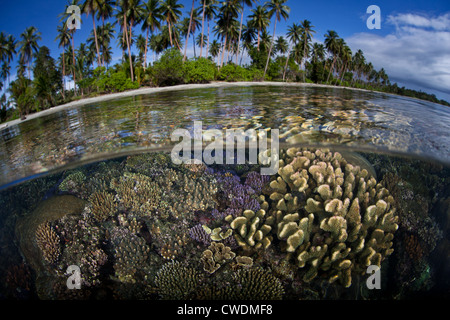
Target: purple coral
256	181
199	234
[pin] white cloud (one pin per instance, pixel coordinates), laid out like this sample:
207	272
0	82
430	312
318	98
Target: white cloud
417	52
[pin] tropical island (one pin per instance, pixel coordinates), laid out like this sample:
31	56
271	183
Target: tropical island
222	36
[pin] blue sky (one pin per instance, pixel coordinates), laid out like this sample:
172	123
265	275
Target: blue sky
413	44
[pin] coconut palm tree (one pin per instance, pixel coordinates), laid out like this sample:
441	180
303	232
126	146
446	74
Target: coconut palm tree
248	37
317	52
358	63
151	21
281	45
203	10
307	32
106	34
28	45
227	12
346	57
294	36
332	46
214	48
90	7
65	17
194	24
189	30
141	46
63	38
208	10
126	9
5	71
260	21
244	3
7	47
105	10
278	9
171	11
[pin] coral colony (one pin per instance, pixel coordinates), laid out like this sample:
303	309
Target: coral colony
146	228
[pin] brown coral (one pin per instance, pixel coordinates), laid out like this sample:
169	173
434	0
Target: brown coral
103	205
48	241
216	255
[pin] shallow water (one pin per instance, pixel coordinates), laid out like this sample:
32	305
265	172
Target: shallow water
139	226
308	115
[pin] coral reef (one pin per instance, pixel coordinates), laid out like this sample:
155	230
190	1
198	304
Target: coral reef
73	182
103	205
48	241
136	193
257	284
252	229
329	215
148	229
130	255
216	255
175	281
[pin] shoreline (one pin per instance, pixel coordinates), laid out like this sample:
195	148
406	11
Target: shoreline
150	90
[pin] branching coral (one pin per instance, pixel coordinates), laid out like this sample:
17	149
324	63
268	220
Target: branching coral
333	217
137	193
257	284
103	205
130	256
48	241
175	281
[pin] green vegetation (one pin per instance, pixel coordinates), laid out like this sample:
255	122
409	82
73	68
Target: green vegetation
219	30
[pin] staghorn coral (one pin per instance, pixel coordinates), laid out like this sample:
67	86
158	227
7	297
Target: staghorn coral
48	241
252	230
330	216
175	281
257	284
215	256
103	205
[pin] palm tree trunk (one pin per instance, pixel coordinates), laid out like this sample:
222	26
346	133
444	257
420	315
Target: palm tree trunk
170	33
203	28
207	43
73	70
189	32
146	46
64	75
258	38
331	68
96	41
270	50
240	33
286	65
223	49
128	45
304	59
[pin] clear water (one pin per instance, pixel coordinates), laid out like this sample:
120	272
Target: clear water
94	187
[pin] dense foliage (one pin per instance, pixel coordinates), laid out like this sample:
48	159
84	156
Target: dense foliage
158	28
